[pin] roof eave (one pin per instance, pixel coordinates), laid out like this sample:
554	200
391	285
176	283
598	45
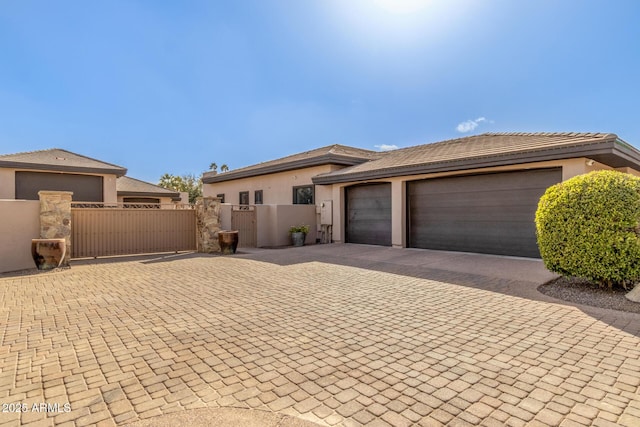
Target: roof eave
611	152
329	159
61	168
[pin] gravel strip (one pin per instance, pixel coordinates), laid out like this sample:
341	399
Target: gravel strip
585	292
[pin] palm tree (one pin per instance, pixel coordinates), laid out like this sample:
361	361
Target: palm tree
224	168
213	166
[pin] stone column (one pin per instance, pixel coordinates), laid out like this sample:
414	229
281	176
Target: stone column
208	224
55	218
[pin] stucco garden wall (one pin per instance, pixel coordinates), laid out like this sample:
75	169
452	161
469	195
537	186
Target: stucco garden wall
20	223
287	216
274	222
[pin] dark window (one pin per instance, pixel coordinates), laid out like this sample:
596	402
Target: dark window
244	197
85	188
258	197
221	196
303	195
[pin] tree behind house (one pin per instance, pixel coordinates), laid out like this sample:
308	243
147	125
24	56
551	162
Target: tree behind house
188	183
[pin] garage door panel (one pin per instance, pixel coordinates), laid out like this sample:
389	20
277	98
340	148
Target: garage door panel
480	183
491	213
85	188
369	214
490	246
474	239
461	199
477	214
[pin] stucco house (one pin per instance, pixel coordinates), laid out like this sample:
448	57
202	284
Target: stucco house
22	175
282	181
131	190
472	194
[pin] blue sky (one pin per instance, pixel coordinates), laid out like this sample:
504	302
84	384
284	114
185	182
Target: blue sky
171	86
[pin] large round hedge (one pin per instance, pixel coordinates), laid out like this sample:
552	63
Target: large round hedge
588	226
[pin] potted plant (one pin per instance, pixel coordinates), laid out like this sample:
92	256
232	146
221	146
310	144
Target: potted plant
228	241
298	234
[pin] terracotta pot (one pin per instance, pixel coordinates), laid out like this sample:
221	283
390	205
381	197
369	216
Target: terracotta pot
48	253
228	240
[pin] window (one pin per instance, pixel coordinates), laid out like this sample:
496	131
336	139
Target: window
221	197
244	197
303	195
257	195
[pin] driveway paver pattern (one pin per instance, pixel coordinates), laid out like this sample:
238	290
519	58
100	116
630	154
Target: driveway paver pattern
296	333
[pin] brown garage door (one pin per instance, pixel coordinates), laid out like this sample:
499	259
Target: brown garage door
490	213
369	214
85	188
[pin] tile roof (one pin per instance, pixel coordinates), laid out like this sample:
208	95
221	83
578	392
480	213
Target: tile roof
127	186
57	159
489	149
331	154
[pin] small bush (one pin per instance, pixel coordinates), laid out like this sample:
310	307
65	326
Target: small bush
588	226
299	229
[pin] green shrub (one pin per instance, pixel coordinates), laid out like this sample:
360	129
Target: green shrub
588	226
299	229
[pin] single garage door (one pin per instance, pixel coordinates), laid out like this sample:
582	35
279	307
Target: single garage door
85	188
369	214
490	213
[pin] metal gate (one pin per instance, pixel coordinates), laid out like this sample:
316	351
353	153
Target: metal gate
243	219
106	231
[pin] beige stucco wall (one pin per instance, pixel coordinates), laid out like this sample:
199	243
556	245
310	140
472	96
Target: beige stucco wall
287	216
570	168
225	216
8	184
110	193
273	222
266	225
20	223
277	188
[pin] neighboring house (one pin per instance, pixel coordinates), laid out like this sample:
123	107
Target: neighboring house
132	190
472	194
22	175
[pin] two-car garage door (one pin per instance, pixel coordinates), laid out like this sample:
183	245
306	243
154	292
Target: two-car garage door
490	213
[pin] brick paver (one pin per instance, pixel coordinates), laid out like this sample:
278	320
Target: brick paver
325	334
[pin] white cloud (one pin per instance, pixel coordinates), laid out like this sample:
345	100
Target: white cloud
386	147
470	125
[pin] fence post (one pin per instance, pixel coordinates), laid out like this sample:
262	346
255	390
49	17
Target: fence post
207	224
55	218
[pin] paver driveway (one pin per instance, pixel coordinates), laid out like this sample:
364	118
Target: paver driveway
334	334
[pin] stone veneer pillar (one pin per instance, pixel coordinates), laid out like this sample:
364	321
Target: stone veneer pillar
208	224
55	218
